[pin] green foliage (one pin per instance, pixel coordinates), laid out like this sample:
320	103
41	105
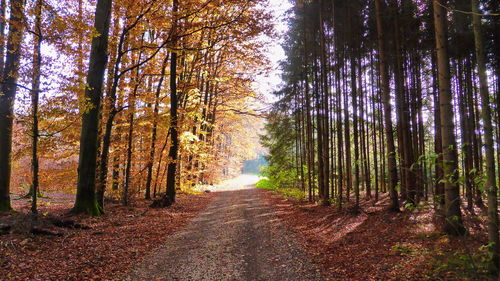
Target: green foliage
281	170
410	206
402	249
265	184
470	266
287	192
88	207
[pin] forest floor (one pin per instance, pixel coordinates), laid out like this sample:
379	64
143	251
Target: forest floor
93	248
238	232
237	237
379	245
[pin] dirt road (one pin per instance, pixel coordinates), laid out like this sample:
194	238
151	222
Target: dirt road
238	237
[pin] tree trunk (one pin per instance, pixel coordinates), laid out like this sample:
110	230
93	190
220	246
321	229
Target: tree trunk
325	115
405	144
3	6
85	196
490	185
35	92
152	149
386	99
174	145
355	129
453	223
130	142
7	98
116	56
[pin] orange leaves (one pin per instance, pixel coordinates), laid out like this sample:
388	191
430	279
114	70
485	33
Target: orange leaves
219	58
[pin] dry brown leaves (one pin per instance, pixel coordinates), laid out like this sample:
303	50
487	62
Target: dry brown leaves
115	242
370	245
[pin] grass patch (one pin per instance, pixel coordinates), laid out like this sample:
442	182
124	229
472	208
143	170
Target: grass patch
294	193
265	183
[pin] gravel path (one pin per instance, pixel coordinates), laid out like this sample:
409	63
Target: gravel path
237	237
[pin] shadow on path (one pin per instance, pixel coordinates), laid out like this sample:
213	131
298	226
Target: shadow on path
237	237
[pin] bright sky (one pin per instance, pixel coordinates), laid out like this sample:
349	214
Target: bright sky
266	84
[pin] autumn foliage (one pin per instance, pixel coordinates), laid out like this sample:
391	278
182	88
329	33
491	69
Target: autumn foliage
219	52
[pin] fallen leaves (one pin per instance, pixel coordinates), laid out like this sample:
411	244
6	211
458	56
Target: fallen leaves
109	246
374	245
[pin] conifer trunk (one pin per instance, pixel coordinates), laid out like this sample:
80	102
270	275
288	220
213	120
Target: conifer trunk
490	185
453	223
386	100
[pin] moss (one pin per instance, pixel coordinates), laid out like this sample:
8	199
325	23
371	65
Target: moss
89	208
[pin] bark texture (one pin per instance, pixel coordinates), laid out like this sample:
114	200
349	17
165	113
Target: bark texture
85	196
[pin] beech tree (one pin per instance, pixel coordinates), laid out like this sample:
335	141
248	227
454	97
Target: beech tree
85	196
7	97
35	96
174	103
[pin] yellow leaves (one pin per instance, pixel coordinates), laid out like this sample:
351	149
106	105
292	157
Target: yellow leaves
193	91
84	104
188	137
217	61
222	79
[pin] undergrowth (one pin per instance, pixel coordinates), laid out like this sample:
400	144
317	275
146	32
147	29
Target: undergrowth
294	193
460	265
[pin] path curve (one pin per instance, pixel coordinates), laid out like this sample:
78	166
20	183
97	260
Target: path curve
237	237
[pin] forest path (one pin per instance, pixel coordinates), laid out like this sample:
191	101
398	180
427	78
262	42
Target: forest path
237	237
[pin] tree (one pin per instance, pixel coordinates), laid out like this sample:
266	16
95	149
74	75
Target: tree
453	222
386	97
154	130
490	184
85	197
174	103
7	98
35	93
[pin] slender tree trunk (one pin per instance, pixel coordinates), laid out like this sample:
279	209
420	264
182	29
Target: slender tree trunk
325	115
35	92
386	99
490	185
453	224
3	6
364	125
465	134
355	129
405	144
174	146
116	57
130	143
152	149
309	126
347	142
374	127
340	141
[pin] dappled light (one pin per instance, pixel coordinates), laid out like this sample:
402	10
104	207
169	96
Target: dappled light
222	140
